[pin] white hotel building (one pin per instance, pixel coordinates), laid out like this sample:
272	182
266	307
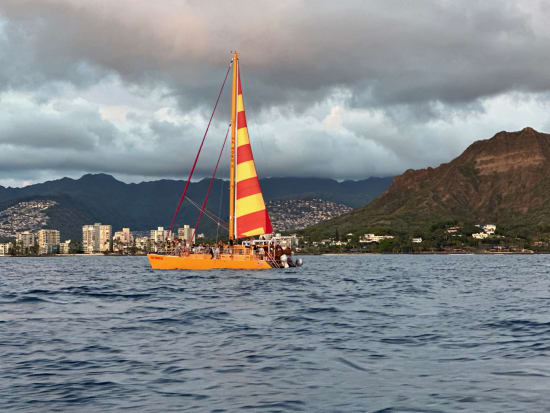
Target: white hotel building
96	238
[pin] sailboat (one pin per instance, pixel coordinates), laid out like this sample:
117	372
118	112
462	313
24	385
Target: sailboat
248	215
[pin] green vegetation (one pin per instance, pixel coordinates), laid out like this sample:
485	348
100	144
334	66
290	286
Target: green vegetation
19	250
435	238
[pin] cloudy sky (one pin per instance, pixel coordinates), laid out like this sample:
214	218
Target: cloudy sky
346	90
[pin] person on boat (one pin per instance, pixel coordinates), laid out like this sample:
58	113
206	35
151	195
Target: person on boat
185	250
278	253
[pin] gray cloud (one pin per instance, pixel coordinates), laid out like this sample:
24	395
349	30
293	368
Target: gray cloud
402	52
343	90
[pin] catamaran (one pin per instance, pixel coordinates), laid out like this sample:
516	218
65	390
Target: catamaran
248	216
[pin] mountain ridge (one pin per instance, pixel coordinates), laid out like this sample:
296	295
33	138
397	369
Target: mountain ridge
146	205
503	180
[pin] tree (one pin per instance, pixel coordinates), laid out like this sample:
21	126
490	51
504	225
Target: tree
117	245
133	248
13	249
75	247
387	245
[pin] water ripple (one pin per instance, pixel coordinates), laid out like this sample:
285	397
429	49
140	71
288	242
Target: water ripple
378	333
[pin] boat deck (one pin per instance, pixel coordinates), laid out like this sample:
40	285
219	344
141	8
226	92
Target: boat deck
207	262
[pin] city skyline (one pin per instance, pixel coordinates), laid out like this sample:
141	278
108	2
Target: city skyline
96	238
370	89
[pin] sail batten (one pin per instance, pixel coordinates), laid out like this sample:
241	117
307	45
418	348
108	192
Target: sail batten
250	211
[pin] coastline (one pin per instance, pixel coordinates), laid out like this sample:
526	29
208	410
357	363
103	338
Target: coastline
434	253
71	255
328	254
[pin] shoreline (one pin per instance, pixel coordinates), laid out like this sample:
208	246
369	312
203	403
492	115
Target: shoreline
72	255
328	254
435	253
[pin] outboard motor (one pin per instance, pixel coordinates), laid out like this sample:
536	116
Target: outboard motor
284	261
299	262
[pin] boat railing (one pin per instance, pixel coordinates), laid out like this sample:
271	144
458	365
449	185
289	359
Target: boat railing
217	253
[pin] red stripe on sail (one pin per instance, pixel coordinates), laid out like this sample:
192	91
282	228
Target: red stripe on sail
252	221
250	186
244	153
241	120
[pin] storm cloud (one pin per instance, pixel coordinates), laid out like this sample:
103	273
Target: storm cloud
341	90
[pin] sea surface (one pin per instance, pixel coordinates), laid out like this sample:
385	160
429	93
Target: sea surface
362	333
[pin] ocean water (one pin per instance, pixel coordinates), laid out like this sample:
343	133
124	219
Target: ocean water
370	333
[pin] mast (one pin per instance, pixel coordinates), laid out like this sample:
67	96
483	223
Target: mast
232	162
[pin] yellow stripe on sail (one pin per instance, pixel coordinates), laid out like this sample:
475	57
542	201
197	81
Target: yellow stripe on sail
250	204
240	103
242	137
257	231
246	170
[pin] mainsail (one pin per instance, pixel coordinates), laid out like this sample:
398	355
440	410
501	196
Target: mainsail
251	214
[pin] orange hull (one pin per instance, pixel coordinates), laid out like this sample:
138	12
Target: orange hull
205	262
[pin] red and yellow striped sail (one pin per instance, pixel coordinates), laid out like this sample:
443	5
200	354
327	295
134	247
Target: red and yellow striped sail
250	211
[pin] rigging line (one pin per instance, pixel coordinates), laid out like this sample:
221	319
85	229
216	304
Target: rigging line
211	182
215	218
209	214
198	153
220	208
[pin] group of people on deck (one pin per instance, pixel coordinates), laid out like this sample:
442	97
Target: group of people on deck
180	247
183	248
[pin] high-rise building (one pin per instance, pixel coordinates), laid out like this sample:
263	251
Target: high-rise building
48	241
142	243
96	238
158	237
88	232
105	232
65	247
160	234
122	240
124	236
186	234
26	238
